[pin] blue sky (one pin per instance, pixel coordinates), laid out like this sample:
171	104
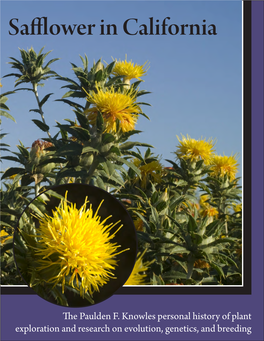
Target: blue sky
195	81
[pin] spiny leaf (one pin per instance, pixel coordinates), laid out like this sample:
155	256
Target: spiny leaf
41	125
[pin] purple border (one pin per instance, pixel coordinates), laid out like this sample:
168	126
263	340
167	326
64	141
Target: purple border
22	310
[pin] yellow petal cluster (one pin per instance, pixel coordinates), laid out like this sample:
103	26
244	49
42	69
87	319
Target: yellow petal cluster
75	246
222	165
237	207
129	70
138	276
151	170
195	150
206	209
4	237
114	105
139	225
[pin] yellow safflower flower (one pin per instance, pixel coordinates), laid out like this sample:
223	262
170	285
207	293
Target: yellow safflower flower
129	70
76	243
222	165
114	106
195	150
139	225
151	170
4	237
206	209
237	207
138	276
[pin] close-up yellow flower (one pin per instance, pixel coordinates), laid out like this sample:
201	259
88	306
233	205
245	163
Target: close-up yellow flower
138	275
75	247
114	106
195	150
222	165
206	209
129	70
150	171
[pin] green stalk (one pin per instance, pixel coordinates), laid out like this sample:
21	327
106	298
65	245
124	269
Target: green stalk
92	170
35	85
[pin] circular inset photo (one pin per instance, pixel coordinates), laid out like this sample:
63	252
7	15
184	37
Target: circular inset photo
75	245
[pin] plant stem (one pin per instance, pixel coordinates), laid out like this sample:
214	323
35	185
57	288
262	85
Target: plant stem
92	170
40	108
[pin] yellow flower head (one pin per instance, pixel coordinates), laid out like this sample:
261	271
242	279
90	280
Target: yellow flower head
75	247
222	165
237	207
4	237
151	170
209	211
201	264
138	276
129	70
206	209
114	106
195	150
139	225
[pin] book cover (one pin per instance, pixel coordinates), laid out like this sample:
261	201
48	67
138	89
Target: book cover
132	170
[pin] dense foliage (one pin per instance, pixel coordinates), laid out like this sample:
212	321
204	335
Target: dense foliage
187	215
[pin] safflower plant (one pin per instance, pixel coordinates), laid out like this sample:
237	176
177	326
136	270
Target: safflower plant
188	214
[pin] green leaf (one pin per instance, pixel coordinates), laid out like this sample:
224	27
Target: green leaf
98	75
36	110
190	264
74	94
12	171
108	168
161	206
174	275
107	138
126	162
99	122
192	225
218	268
127	134
129	145
23	151
72	104
54	194
43	101
70	173
9	211
226	258
89	149
8	245
110	67
7	115
100	183
213	227
52	160
70	149
82	132
82	119
155	216
114	150
41	125
145	221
